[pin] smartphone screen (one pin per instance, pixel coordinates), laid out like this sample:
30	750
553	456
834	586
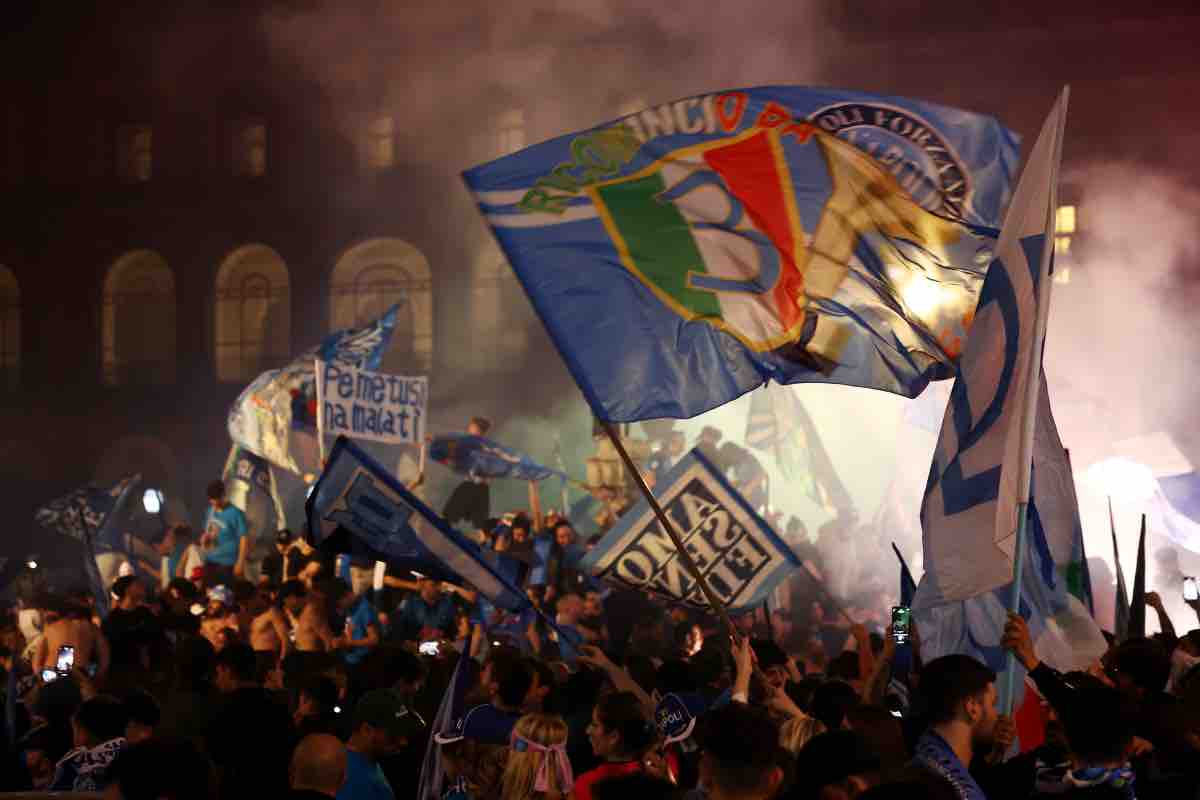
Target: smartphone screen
428	648
901	616
49	675
66	658
1190	591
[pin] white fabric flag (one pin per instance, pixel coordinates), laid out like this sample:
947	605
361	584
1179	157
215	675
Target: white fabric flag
977	479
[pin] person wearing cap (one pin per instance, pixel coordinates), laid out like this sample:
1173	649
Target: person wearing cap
271	571
382	724
508	680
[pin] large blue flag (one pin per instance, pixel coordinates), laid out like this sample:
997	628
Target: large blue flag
275	417
89	515
739	554
477	457
981	465
89	509
358	507
683	255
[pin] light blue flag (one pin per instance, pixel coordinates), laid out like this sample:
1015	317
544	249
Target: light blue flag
684	255
477	457
741	558
980	468
357	507
1175	510
275	417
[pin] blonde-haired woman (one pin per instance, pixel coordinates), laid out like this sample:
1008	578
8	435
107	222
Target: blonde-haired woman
538	768
796	731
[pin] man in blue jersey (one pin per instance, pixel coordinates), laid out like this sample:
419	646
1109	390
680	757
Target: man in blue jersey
225	542
382	725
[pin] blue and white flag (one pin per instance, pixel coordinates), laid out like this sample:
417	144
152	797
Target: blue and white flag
275	417
741	558
358	508
89	515
251	486
979	473
684	255
1052	597
477	457
88	509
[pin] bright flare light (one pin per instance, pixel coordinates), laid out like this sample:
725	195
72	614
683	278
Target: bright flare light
1122	479
152	501
921	295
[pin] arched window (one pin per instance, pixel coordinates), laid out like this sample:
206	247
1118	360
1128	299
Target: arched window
253	313
139	320
369	278
10	329
500	313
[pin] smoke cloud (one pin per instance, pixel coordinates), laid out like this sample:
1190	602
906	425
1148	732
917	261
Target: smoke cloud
1119	330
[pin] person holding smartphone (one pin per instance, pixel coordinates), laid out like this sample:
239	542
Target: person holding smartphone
70	625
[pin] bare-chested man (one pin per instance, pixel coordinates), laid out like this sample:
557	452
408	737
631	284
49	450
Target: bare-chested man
70	624
271	630
313	633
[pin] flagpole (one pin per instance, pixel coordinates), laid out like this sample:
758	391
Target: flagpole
717	606
318	380
1033	386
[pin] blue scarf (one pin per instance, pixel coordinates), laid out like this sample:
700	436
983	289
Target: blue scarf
939	758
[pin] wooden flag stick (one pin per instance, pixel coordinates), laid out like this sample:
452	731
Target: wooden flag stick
665	521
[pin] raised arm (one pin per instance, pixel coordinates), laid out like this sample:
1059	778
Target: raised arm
876	685
1164	621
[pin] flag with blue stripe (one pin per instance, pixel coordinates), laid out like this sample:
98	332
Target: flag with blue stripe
1053	601
969	514
275	417
739	554
357	507
685	254
478	457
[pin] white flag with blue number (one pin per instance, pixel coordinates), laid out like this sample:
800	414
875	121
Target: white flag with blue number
969	514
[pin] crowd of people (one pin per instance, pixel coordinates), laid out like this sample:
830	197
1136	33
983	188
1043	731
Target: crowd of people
308	675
